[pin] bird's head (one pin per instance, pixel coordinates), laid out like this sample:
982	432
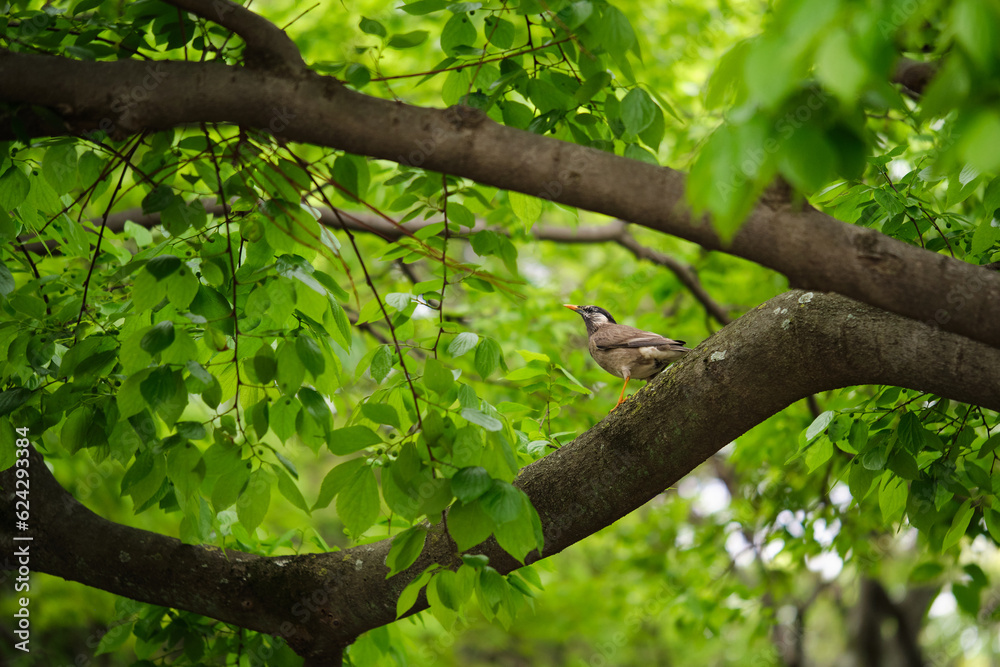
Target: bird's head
593	316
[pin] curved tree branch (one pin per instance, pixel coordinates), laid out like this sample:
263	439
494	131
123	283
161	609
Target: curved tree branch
812	249
796	344
267	44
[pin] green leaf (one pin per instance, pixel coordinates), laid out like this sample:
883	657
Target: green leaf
458	31
910	432
265	364
343	441
638	110
875	454
112	640
593	85
351	172
421	7
182	287
806	158
190	430
892	498
311	355
14	188
446	585
399	300
139	469
251	506
613	31
7	283
993	524
482	419
406	547
381	363
74	431
408	40
147	291
462	343
858	435
967	597
290	372
819	424
974	24
516	537
488	357
818	453
372	27
12	399
437	378
159	386
470	483
335	480
358	501
290	490
502	502
926	572
526	208
315	406
380	413
409	595
959	525
468	524
492	587
499	32
476	561
210	304
989	446
158	199
59	167
904	464
986	235
159	337
839	67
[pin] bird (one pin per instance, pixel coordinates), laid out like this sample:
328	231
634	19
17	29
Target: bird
625	351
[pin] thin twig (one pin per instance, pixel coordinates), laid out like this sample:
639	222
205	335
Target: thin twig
100	235
473	64
444	263
388	320
232	269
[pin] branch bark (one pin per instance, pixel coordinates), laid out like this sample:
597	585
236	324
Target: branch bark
267	45
812	249
796	344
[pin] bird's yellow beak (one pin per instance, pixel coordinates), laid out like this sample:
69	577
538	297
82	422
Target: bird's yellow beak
570	306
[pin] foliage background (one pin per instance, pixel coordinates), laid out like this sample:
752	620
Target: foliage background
762	553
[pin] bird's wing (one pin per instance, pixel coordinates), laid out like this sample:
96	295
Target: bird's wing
619	336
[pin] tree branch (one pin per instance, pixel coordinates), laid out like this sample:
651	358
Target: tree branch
794	345
812	249
267	45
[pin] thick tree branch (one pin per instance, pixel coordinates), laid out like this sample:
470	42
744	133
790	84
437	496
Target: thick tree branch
267	45
794	345
812	249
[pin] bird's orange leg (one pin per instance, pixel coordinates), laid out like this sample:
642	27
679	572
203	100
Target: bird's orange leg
621	397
